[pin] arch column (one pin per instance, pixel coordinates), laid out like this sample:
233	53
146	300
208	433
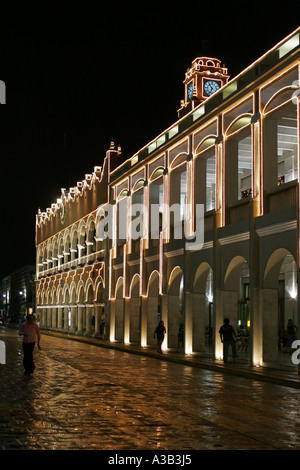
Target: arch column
150	311
177	307
133	308
188	323
80	313
73	318
150	323
201	298
173	321
54	317
257	328
65	318
60	318
127	319
118	312
164	318
43	317
144	317
112	320
269	304
218	321
49	317
98	320
88	319
198	308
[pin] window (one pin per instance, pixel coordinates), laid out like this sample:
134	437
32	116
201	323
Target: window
244	167
121	225
205	179
210	182
178	200
238	167
156	200
137	218
280	146
287	166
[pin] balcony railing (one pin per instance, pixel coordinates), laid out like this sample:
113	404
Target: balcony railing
83	261
238	212
281	197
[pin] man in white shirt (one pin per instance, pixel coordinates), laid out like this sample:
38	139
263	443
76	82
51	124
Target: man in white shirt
31	333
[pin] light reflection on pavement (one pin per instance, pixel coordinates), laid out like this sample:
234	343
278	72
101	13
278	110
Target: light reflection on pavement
85	397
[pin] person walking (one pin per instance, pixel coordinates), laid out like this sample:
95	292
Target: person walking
160	332
31	333
228	336
291	333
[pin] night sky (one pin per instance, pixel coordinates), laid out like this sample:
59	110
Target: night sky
78	78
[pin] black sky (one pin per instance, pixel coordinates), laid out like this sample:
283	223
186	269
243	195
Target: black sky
78	78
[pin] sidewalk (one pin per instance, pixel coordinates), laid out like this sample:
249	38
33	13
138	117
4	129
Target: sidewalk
288	378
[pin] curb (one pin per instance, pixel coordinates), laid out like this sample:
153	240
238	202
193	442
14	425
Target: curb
264	374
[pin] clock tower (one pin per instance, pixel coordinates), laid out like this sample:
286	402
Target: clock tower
203	79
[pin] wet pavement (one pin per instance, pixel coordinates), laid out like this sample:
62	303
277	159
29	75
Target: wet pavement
86	397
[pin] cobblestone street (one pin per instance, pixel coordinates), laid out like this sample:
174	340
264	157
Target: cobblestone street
84	397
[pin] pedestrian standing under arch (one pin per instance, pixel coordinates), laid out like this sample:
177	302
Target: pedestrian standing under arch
160	332
228	337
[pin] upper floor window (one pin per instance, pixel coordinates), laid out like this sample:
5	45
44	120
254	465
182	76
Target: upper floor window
238	161
205	174
156	202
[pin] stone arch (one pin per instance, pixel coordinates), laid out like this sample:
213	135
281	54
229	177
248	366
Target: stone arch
234	297
178	160
55	252
279	301
272	268
175	309
206	143
200	278
153	306
202	309
74	242
60	245
232	274
89	309
119	310
279	98
99	289
90	234
89	291
81	239
73	293
53	299
66	294
133	308
80	292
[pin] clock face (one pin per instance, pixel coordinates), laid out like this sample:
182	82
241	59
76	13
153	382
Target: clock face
190	90
210	87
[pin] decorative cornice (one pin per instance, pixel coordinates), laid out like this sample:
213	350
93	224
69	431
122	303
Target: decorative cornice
277	228
239	237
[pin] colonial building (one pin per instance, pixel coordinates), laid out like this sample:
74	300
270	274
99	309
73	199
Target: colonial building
17	294
233	154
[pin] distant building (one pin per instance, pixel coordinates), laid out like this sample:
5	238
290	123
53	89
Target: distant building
17	293
233	153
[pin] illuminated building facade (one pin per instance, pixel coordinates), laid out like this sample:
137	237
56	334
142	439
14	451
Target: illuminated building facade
17	294
234	152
